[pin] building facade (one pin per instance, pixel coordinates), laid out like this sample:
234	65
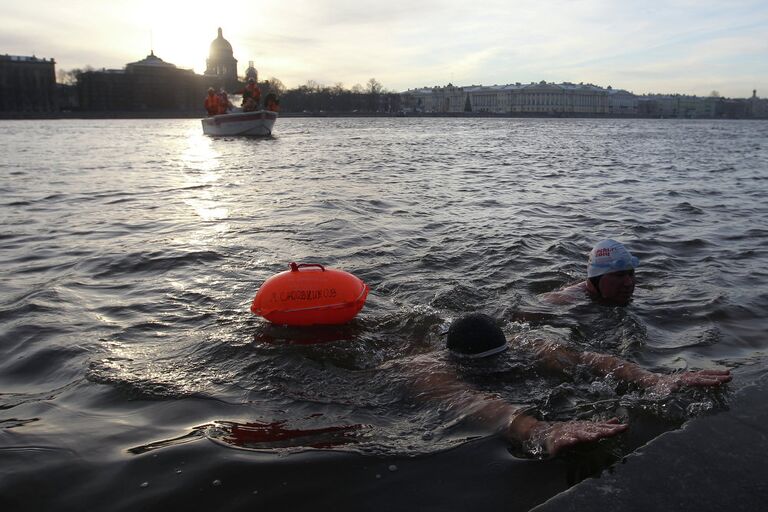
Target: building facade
621	102
757	107
570	99
27	84
150	84
534	98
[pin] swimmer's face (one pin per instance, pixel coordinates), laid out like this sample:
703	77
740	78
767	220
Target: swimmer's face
617	287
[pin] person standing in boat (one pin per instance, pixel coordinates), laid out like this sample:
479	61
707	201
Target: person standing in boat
251	96
224	103
212	102
271	102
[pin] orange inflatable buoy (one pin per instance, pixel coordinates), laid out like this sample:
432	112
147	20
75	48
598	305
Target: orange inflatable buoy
310	294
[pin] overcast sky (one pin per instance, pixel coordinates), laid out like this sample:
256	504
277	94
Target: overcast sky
690	47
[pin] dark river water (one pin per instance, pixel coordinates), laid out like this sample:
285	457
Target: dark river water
134	377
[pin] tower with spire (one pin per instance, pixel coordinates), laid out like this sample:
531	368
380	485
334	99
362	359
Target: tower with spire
251	72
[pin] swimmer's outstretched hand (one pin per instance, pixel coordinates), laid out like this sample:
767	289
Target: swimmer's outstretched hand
697	379
557	436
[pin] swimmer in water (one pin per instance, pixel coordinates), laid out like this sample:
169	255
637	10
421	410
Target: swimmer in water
610	277
476	336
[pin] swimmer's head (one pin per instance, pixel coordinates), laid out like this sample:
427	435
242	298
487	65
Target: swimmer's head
610	256
474	336
611	273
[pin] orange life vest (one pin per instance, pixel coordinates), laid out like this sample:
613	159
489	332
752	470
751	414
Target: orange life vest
252	91
212	104
272	105
223	104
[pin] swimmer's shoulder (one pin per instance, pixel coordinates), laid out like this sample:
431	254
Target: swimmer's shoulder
568	295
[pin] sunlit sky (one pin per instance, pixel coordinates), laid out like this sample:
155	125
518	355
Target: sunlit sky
689	47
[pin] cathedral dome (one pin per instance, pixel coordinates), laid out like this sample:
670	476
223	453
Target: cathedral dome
221	63
220	46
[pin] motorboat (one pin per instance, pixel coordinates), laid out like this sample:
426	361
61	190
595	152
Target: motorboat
257	123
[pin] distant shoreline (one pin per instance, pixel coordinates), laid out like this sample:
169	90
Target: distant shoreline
199	115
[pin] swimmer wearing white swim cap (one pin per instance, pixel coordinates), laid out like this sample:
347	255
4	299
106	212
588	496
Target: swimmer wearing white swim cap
610	277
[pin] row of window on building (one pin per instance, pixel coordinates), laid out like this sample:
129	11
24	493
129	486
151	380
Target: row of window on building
566	98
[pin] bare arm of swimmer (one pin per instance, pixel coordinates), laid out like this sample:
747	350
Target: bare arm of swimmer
567	295
510	421
558	357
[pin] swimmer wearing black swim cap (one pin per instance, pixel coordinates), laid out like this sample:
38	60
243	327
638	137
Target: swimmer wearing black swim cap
477	336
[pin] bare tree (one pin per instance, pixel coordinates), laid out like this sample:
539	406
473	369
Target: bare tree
65	77
71	76
313	86
313	97
276	86
373	86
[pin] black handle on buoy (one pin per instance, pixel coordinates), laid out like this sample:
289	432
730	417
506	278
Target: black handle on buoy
295	267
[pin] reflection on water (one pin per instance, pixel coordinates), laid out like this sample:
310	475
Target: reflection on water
198	154
265	436
201	172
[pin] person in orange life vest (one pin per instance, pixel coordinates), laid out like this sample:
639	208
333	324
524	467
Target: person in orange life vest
271	102
224	103
251	96
212	102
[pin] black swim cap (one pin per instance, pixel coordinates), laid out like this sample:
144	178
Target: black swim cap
475	335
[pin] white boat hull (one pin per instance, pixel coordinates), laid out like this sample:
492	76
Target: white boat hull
258	123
